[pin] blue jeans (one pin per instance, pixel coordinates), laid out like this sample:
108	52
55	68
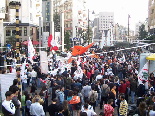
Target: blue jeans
24	85
34	81
39	83
132	96
23	110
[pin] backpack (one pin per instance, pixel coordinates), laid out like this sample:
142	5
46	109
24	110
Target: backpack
92	98
104	92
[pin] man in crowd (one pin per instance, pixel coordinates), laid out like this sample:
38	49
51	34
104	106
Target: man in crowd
123	106
36	109
8	107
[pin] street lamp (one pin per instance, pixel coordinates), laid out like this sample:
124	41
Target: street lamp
128	26
76	33
88	24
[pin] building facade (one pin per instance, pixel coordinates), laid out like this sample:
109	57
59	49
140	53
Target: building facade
29	14
75	18
105	18
151	17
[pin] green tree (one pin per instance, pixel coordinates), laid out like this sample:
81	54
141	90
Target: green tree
86	35
56	20
11	40
67	41
142	32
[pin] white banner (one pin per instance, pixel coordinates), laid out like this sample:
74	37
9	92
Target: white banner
6	80
43	62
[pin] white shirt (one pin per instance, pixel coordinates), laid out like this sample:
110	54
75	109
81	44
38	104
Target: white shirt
152	113
90	112
37	109
24	79
89	108
98	77
33	74
9	106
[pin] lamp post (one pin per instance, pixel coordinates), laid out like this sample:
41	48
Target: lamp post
16	5
128	26
88	24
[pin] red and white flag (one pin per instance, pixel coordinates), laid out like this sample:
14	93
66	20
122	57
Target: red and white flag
143	74
31	50
52	44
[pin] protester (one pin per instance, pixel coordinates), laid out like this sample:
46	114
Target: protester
8	107
36	109
89	112
53	108
108	109
123	106
15	101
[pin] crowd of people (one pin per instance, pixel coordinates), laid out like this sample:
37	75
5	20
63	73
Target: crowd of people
109	81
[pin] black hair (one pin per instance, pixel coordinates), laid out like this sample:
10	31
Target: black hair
122	96
83	114
14	89
15	81
110	100
106	82
86	106
60	108
93	87
8	93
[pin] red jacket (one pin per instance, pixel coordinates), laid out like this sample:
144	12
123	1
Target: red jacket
122	88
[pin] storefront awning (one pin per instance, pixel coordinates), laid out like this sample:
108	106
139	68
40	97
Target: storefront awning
152	57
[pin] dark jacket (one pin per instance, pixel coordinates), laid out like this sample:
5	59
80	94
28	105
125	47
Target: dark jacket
133	86
141	90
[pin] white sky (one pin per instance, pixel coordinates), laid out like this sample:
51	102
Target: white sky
138	10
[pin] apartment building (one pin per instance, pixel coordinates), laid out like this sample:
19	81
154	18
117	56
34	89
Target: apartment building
105	18
2	17
29	14
75	17
151	18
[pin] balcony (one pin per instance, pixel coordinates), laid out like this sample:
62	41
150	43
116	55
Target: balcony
80	20
38	3
80	12
68	20
68	2
68	28
84	15
67	11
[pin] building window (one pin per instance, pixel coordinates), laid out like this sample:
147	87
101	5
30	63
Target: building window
13	32
25	31
67	25
8	32
31	17
152	11
70	24
152	1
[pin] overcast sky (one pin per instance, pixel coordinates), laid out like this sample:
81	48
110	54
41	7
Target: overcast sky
138	10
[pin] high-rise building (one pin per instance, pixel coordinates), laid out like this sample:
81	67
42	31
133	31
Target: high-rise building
137	28
29	14
75	18
105	18
151	18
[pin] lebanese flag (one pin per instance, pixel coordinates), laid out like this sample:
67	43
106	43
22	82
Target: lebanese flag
52	43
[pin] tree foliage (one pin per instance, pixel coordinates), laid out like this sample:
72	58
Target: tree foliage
142	32
56	20
67	41
11	40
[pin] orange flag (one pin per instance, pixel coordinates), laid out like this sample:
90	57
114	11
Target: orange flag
78	50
